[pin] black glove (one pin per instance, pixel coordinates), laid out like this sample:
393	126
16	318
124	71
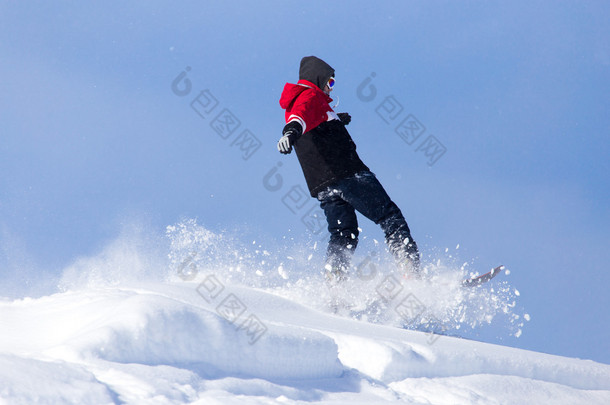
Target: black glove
292	131
345	118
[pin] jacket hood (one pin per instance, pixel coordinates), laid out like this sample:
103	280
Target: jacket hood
292	91
316	71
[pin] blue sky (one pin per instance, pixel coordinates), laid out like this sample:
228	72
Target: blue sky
516	94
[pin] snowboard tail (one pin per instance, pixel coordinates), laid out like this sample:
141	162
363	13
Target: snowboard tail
478	280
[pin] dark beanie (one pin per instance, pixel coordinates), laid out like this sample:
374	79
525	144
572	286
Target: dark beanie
316	71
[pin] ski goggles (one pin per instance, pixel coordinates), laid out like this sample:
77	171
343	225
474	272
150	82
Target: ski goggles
331	83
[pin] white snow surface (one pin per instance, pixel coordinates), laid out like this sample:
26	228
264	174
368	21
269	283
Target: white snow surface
123	328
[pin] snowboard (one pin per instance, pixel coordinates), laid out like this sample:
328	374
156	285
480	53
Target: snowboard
478	280
341	305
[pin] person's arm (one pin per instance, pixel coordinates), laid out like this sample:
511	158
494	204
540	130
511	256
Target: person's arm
291	132
308	111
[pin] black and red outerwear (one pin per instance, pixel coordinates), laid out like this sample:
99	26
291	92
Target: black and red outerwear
324	148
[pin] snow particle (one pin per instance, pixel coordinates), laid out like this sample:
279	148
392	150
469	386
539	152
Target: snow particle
282	272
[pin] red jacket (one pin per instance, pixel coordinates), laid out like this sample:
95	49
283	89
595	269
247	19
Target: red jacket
325	150
305	103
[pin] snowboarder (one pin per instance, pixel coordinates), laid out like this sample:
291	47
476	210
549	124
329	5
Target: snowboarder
334	173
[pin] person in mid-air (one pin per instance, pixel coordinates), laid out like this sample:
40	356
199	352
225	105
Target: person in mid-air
335	175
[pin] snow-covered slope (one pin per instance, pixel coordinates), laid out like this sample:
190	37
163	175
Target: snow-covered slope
119	332
164	343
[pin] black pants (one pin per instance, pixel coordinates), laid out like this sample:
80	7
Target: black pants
363	193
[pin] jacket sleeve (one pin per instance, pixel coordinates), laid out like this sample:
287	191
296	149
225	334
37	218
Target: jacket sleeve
309	110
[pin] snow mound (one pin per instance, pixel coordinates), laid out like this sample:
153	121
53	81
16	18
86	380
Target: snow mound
152	328
29	381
